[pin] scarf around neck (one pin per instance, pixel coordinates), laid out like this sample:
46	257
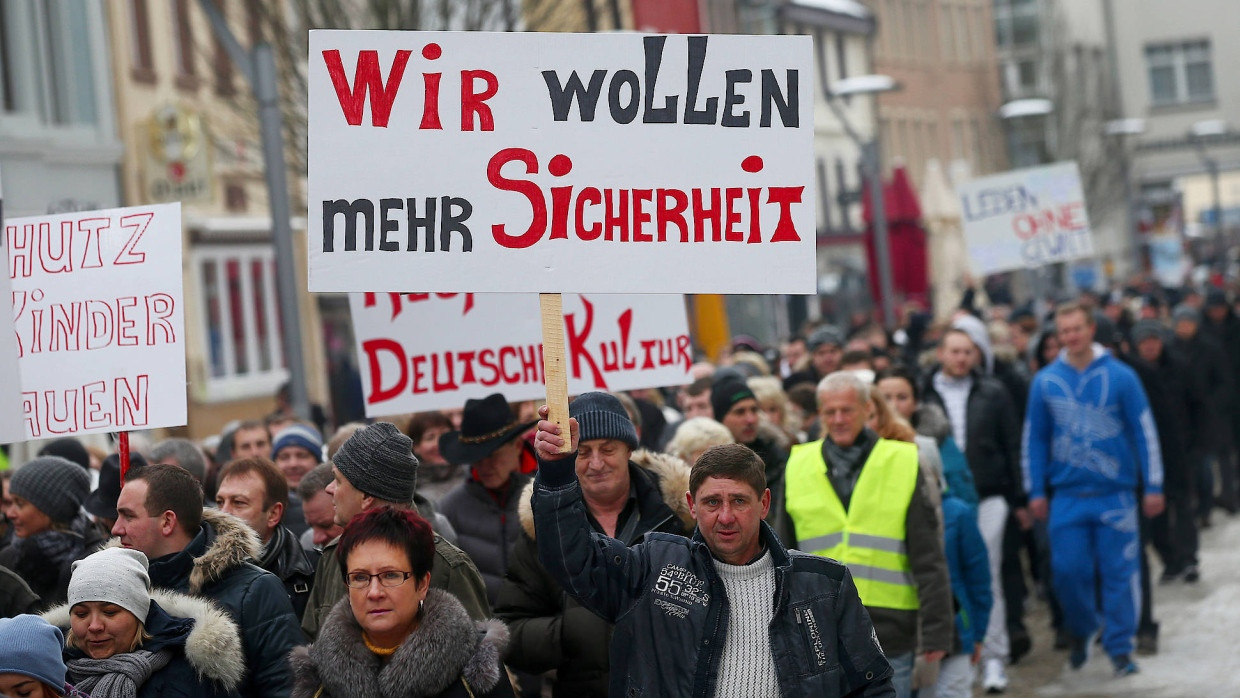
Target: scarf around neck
118	676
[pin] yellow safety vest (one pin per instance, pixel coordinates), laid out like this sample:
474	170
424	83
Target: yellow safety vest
868	537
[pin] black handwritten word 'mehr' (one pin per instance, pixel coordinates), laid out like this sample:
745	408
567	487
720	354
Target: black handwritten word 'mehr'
627	94
453	210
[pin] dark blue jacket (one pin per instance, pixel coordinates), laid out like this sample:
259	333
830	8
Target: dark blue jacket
671	610
969	568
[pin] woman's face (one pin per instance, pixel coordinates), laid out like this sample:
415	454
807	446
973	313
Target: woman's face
1050	349
899	396
22	686
102	629
387	613
427	448
27	519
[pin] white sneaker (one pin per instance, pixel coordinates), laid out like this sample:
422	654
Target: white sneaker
994	678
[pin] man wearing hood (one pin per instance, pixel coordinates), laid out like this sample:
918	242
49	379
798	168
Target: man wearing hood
1090	441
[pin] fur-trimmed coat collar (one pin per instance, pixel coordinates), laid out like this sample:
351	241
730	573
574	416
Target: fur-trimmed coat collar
213	646
446	647
225	542
671	472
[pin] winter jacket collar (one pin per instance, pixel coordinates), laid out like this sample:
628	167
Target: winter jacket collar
223	543
661	481
211	639
285	557
446	647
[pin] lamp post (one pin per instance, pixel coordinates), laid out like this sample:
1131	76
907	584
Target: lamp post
1017	113
1124	129
872	169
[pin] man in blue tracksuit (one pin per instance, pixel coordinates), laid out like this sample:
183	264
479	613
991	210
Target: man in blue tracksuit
1087	429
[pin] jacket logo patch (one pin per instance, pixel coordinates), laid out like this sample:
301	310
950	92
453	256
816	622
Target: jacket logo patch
815	636
679	584
671	609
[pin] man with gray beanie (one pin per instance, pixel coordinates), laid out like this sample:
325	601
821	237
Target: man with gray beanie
47	495
826	351
1213	371
376	468
628	493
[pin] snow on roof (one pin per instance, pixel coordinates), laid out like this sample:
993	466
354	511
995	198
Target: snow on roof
851	8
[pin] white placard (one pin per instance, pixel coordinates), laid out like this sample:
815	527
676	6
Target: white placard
98	312
433	351
1025	219
546	162
11	429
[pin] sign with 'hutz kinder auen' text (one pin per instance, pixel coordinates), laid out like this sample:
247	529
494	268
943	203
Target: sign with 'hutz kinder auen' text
425	351
99	319
1025	218
589	163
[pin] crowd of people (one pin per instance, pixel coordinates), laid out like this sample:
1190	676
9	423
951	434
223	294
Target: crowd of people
854	512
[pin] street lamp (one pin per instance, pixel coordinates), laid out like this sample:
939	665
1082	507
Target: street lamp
1017	114
872	168
1124	129
1198	133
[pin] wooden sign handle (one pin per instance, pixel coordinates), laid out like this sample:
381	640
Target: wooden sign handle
555	372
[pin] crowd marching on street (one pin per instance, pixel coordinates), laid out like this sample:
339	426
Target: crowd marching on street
856	512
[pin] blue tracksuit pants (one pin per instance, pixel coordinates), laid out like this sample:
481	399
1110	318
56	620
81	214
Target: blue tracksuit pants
1095	540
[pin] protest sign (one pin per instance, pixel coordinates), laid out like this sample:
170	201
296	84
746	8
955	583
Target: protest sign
1025	219
99	319
433	351
542	162
11	429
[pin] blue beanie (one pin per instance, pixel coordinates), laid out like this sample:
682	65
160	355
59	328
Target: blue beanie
302	435
601	416
33	648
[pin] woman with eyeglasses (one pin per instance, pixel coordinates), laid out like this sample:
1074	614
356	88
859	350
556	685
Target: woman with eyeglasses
394	636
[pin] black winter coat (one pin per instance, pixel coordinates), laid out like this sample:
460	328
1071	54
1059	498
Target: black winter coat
1177	402
215	565
207	659
294	565
552	630
45	559
1213	372
1227	335
486	526
671	609
992	437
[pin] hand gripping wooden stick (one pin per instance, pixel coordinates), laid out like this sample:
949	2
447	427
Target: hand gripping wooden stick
555	372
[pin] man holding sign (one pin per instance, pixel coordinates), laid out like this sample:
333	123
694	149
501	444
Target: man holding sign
728	612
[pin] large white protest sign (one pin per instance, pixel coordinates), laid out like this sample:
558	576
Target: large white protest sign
1025	218
544	162
99	319
11	428
433	351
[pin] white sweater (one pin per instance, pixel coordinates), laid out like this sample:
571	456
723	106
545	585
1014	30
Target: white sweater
747	667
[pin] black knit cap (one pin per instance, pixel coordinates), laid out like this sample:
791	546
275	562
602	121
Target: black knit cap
68	448
378	460
726	393
601	416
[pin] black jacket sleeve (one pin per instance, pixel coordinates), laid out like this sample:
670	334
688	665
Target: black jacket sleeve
924	537
867	672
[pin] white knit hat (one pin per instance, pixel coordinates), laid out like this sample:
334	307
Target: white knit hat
114	575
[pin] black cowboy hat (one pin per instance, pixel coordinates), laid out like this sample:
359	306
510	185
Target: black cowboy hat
102	502
486	425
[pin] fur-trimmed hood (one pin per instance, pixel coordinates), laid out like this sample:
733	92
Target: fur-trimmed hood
229	543
213	646
671	472
446	647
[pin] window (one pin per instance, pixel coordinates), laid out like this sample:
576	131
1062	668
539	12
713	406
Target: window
1016	23
1180	72
142	64
947	30
183	45
222	62
48	63
241	323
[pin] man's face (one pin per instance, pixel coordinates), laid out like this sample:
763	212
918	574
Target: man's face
251	443
729	514
294	462
1217	313
795	352
826	358
603	469
957	354
742	420
347	500
843	415
321	518
494	470
698	406
1150	349
1185	329
242	496
1075	332
137	528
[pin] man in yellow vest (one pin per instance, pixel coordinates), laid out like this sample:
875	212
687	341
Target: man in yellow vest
861	500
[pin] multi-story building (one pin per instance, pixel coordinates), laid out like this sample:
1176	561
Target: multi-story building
1172	63
190	134
59	149
942	53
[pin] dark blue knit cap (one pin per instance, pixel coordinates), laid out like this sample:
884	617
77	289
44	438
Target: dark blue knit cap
601	416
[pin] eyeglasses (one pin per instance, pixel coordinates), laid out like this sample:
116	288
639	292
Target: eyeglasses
391	578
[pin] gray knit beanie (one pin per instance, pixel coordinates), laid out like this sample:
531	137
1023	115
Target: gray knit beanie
378	460
1185	311
55	485
114	575
1145	329
601	416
